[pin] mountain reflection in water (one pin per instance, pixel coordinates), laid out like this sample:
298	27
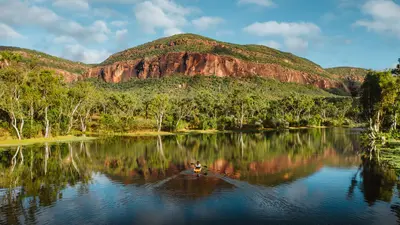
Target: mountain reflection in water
290	176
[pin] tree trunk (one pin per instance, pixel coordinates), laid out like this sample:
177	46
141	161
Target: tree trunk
378	121
21	126
177	123
14	125
71	118
160	119
83	125
47	125
241	117
32	111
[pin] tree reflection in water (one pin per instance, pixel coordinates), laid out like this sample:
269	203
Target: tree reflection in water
35	176
377	182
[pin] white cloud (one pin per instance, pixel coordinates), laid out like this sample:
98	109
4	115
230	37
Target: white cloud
105	12
385	17
72	4
119	23
77	52
23	14
296	44
295	35
63	40
263	3
272	44
115	1
329	17
273	28
205	22
121	35
172	31
161	14
8	32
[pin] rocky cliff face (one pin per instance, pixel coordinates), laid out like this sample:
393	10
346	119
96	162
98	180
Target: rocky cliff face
191	64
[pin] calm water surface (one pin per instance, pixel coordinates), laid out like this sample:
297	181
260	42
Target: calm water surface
297	177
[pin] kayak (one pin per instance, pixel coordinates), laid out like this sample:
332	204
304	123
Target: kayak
197	169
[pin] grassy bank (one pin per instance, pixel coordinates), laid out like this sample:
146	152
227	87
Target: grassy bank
95	135
15	142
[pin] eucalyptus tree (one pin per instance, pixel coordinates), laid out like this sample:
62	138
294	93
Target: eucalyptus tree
159	106
13	101
50	88
242	103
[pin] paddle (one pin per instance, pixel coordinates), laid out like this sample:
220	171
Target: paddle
194	164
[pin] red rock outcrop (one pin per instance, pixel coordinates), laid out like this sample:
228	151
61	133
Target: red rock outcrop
191	64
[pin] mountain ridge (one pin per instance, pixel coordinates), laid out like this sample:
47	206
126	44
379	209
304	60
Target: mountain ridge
191	54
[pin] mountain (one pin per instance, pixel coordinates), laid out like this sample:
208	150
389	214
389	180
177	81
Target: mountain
349	73
71	71
191	54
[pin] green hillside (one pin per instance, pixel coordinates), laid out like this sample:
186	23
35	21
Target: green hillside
348	71
183	86
46	60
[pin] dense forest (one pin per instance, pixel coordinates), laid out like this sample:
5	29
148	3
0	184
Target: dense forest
38	103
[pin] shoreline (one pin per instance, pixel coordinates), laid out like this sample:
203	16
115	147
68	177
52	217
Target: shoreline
32	141
96	135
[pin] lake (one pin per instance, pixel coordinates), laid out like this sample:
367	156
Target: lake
311	176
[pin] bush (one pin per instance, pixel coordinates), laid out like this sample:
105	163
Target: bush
4	134
315	121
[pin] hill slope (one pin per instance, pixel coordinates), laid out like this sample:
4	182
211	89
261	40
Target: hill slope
68	69
348	73
190	54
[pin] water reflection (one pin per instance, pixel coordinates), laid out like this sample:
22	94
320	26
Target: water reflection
35	177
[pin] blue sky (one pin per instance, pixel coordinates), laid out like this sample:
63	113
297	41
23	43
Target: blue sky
361	33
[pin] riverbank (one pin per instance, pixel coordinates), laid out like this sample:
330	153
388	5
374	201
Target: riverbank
94	135
16	142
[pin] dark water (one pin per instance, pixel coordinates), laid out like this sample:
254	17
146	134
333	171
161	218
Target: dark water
297	177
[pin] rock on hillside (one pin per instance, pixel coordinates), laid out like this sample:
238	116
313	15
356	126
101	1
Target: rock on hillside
190	55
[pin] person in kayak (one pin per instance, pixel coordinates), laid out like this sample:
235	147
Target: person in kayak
197	168
198	165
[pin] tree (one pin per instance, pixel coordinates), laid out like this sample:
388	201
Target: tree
241	105
82	98
183	107
90	100
7	58
380	91
159	106
396	71
13	98
49	86
370	94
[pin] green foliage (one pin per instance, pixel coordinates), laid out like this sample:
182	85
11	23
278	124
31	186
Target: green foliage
34	58
380	95
37	103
